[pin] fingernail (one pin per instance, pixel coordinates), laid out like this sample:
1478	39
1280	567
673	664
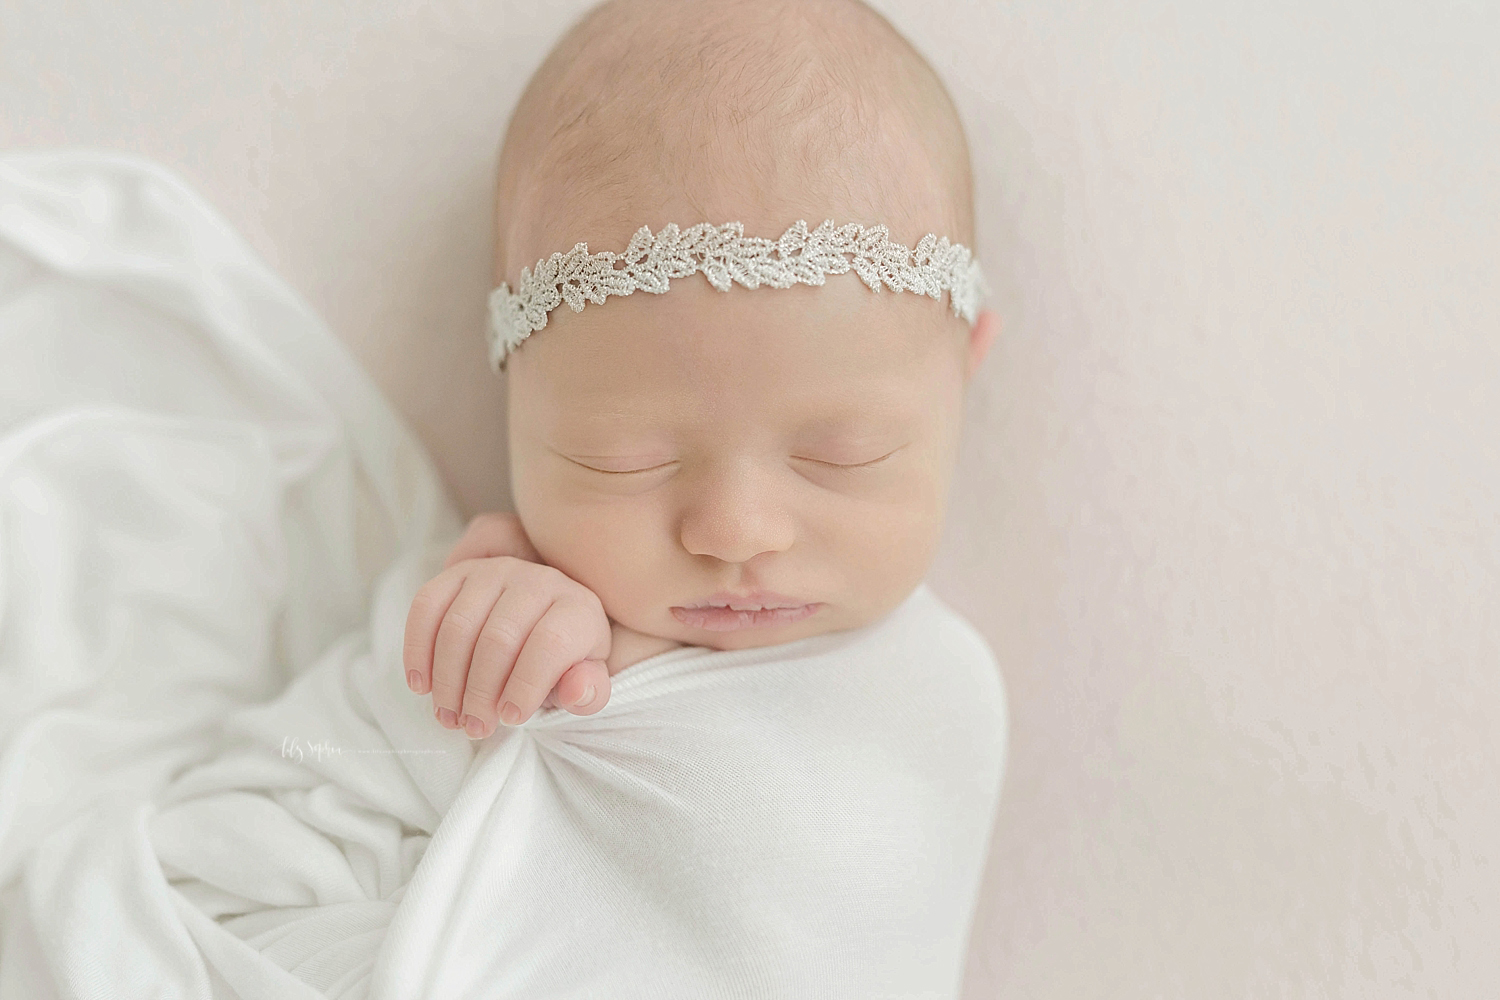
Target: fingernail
448	717
510	714
413	679
473	727
585	698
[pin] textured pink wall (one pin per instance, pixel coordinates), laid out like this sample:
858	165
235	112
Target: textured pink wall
1227	509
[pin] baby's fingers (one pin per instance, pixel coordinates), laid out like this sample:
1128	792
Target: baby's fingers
422	622
571	630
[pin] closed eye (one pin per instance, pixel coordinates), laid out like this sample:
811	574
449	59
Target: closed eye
861	465
618	472
831	465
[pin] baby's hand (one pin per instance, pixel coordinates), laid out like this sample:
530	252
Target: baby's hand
497	629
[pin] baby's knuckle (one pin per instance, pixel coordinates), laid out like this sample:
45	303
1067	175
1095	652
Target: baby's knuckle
570	589
456	623
587	597
594	620
446	578
479	696
491	569
538	578
444	691
576	597
426	599
502	633
551	635
523	690
541	573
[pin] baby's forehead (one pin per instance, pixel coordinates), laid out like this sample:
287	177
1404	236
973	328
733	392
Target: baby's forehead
795	345
696	398
647	419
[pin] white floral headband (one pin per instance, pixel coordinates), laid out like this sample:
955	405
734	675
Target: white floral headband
725	254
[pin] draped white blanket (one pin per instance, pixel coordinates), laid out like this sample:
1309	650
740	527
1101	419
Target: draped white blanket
213	781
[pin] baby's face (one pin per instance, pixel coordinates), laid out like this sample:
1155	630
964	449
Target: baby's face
799	440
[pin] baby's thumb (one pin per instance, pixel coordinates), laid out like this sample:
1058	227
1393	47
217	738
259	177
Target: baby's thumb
583	689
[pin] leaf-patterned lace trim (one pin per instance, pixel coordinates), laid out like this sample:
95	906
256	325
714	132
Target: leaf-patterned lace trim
725	255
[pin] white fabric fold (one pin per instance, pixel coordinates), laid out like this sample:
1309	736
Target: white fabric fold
213	780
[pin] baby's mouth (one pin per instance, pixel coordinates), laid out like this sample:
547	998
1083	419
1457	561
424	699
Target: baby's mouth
741	607
759	600
728	619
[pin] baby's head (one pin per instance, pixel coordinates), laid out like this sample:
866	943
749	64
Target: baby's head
667	447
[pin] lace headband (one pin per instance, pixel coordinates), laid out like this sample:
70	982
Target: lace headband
725	254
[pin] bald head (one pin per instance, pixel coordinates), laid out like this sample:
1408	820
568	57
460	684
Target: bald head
655	111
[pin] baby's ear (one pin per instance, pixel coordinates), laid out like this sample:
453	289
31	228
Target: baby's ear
986	328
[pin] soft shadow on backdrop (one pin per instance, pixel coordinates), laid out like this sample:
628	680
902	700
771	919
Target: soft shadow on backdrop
1227	504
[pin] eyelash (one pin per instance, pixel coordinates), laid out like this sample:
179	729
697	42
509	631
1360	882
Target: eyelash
831	465
852	468
627	472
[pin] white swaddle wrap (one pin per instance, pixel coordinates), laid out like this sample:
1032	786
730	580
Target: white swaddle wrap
205	504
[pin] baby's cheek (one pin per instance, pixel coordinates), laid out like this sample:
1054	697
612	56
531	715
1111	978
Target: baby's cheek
614	556
891	550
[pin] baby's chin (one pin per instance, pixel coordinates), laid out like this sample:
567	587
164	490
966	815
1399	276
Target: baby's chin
628	647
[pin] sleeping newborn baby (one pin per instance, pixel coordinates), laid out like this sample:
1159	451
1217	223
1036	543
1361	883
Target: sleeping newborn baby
742	457
709	734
